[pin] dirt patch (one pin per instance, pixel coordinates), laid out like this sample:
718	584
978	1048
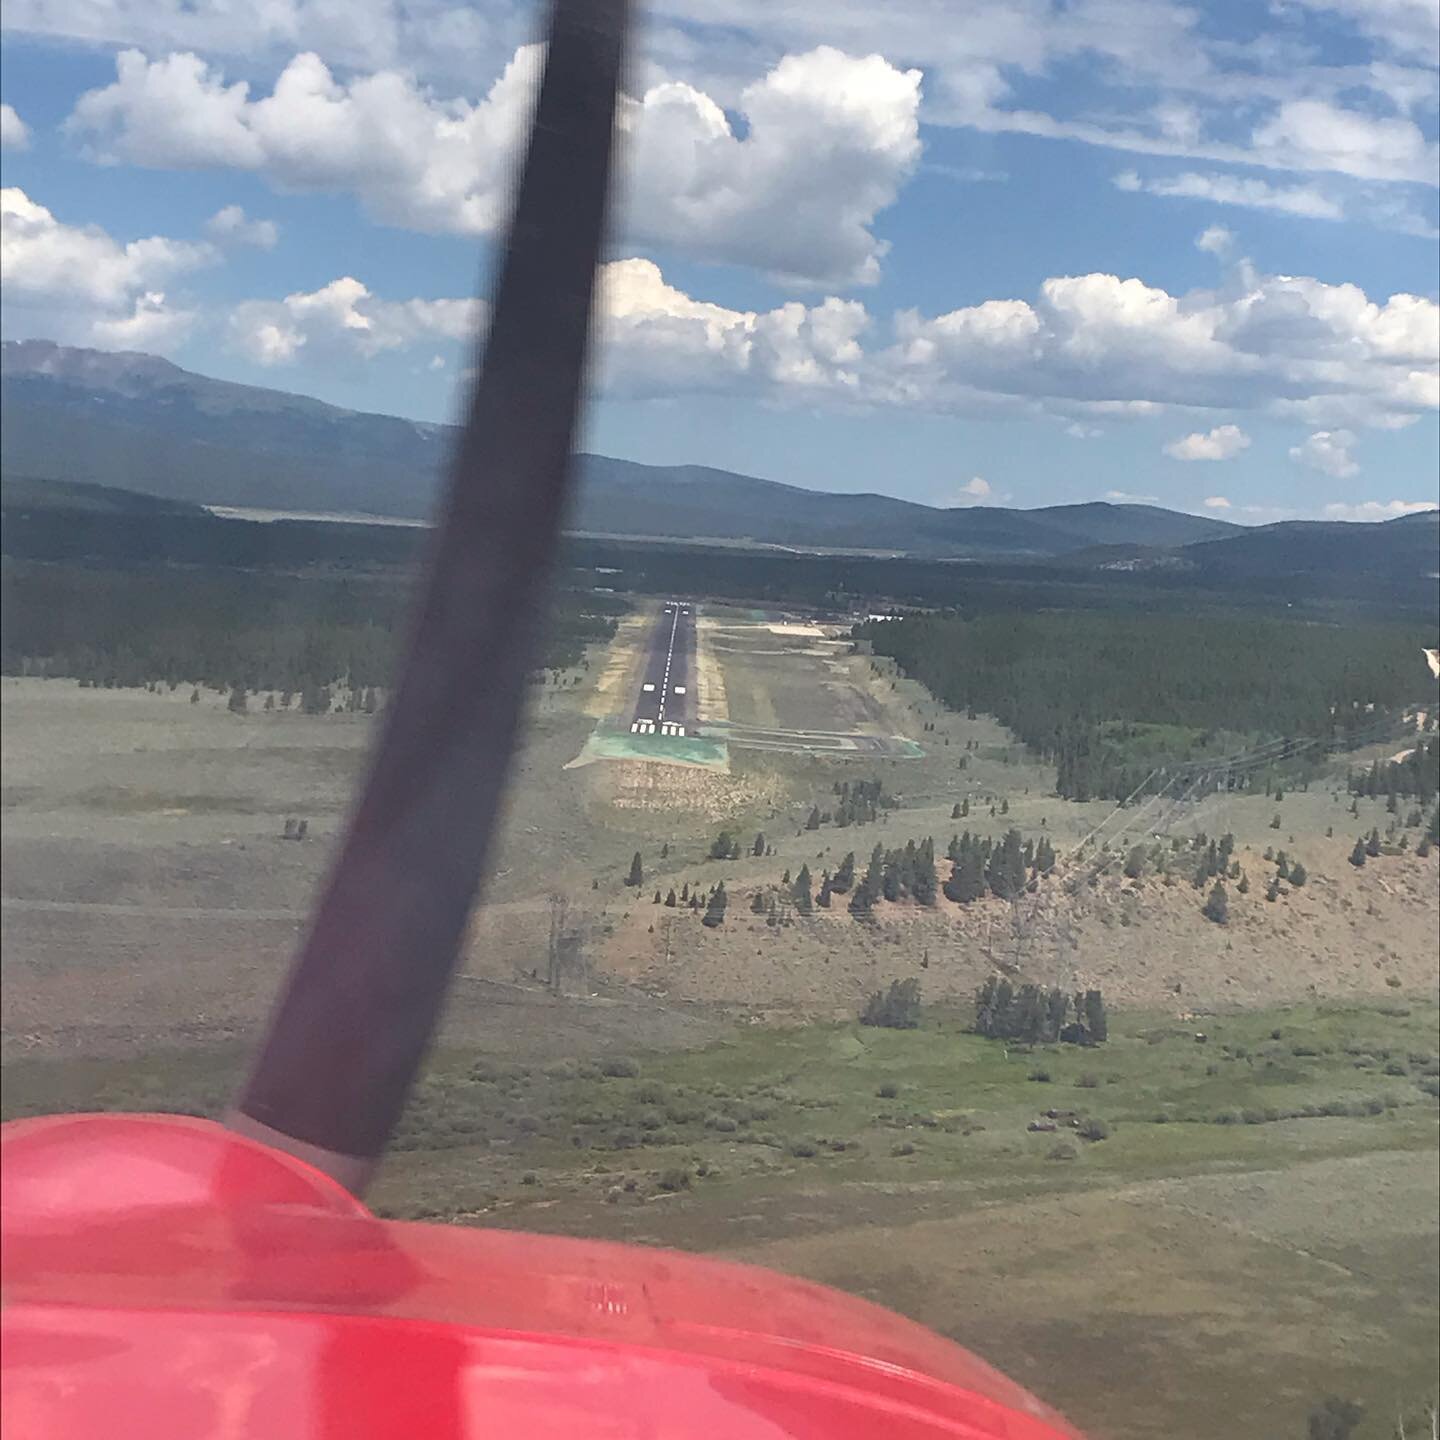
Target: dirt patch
613	687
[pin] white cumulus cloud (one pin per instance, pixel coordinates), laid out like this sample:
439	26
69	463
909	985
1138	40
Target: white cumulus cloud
1379	509
1216	502
232	226
1215	240
828	140
343	319
1320	135
1224	442
86	285
1329	452
14	132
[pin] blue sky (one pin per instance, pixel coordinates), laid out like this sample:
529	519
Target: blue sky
1027	253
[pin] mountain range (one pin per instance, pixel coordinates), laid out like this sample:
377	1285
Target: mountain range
139	423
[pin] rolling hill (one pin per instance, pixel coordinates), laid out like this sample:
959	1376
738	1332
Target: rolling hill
143	424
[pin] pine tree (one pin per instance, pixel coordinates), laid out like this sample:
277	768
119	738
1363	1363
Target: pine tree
665	851
1057	1008
1357	855
801	893
1096	1021
1244	886
844	876
237	704
1298	875
1372	845
822	898
1135	863
637	874
757	903
897	1008
315	700
923	883
685	893
785	878
813	823
723	847
875	871
1006	872
965	808
1273	892
656	900
955	811
270	700
715	910
1004	807
1217	906
670	899
758	848
967	880
195	696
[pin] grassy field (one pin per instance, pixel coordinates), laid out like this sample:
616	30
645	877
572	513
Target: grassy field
1249	1216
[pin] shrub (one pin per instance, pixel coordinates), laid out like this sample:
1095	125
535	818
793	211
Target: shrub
903	1148
1397	1067
888	1091
803	1149
1430	1084
675	1179
619	1067
651	1092
723	1123
1093	1129
1063	1150
529	1178
1086	1081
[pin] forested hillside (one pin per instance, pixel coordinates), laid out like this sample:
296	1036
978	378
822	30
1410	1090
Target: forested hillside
1108	698
228	629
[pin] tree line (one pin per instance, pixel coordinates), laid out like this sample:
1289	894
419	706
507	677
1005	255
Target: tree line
229	629
1108	698
979	866
1417	774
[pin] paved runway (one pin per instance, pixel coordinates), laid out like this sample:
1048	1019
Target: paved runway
666	702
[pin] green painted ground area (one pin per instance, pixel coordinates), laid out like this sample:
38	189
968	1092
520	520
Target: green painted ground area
609	742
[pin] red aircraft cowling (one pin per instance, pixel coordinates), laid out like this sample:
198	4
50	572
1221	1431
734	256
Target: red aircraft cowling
165	1278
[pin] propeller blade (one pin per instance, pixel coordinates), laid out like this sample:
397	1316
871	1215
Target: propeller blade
364	996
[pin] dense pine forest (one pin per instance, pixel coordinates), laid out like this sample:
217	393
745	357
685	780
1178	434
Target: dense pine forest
1107	698
228	628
